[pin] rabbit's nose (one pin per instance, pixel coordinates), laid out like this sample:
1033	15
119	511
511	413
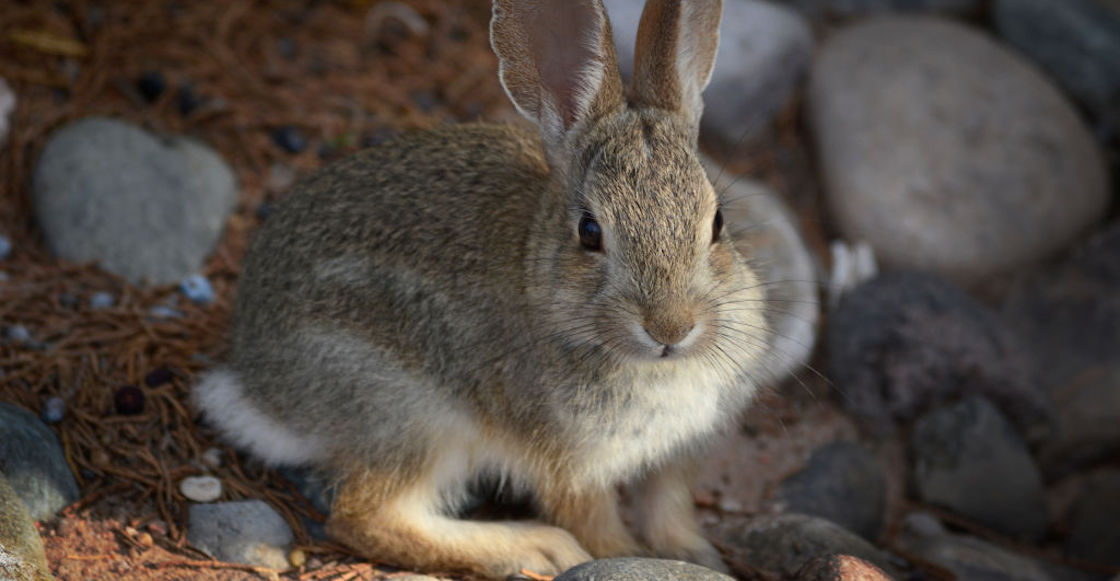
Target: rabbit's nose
669	330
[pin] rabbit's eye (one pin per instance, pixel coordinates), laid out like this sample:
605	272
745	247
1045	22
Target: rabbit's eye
717	226
590	235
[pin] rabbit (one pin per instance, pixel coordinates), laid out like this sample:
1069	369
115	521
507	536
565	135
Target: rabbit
559	308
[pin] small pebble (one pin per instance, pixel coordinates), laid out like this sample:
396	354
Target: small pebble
264	210
5	247
164	312
18	334
188	100
158	377
129	400
68	300
297	558
289	138
102	300
151	85
145	539
730	505
201	488
197	289
158	527
212	457
53	410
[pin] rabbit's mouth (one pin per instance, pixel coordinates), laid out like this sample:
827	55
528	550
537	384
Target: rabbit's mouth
647	345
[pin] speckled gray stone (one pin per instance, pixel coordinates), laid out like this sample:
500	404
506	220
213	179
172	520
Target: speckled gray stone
969	459
146	207
947	152
245	531
33	462
636	569
842	482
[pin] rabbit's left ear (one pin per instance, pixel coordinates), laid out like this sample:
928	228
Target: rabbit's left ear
675	53
556	61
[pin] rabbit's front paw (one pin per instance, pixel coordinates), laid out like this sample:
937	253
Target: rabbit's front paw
544	550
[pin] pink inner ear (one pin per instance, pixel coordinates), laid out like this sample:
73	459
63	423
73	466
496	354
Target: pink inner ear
565	43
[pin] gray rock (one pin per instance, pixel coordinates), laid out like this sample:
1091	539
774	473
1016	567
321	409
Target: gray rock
1069	314
7	105
1077	42
33	462
245	531
21	550
758	219
948	153
782	545
863	8
969	459
764	51
1087	431
1094	534
843	483
636	569
148	208
975	560
904	341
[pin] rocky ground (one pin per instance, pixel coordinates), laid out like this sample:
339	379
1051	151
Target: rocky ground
930	184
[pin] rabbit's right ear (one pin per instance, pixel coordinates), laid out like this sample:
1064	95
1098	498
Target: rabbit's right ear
556	61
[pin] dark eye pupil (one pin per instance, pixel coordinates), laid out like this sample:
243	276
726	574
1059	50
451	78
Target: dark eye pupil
590	235
717	225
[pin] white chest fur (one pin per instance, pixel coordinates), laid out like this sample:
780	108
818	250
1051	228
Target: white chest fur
665	411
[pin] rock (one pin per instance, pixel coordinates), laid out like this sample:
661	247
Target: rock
975	560
21	550
1077	42
843	483
1069	315
289	138
18	334
197	288
863	8
33	462
201	488
948	153
758	219
904	341
54	409
637	569
764	51
5	247
1094	536
840	568
782	545
149	208
1087	430
7	105
245	531
969	459
101	300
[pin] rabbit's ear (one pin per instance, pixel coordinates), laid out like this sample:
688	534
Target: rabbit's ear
674	54
556	61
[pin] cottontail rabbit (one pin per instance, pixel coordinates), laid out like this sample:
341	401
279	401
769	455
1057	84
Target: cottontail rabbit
562	311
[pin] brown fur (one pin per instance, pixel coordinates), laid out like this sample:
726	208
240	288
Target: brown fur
423	314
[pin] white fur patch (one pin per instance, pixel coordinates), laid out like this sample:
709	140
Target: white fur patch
220	396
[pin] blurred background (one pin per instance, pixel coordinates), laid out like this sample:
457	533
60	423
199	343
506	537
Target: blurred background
933	191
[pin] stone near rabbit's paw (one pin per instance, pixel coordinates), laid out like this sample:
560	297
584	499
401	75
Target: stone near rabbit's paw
947	152
146	207
843	483
782	545
33	462
246	531
840	568
765	49
197	288
637	569
969	459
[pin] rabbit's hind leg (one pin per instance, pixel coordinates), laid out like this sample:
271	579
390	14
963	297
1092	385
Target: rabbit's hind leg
401	520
